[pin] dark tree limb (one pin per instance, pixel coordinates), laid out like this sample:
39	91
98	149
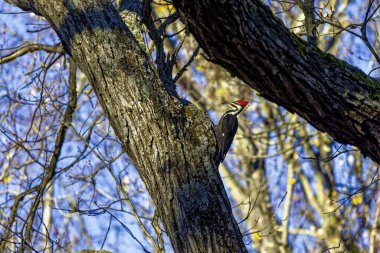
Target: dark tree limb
245	37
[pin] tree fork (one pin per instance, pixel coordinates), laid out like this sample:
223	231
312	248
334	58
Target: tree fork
246	39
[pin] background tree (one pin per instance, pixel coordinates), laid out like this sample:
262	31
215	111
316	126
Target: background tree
62	163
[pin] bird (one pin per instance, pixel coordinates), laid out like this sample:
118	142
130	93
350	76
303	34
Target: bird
226	128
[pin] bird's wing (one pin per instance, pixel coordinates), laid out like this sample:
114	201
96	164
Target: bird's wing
226	128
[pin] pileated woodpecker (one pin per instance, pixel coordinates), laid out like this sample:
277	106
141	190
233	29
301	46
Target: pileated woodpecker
226	129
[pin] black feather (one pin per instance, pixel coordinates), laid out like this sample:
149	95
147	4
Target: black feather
225	132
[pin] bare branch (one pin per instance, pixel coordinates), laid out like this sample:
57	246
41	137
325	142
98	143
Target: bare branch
30	49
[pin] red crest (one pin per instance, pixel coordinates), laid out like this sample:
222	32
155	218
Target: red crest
243	103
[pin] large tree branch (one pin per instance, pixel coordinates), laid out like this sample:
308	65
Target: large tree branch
244	37
170	141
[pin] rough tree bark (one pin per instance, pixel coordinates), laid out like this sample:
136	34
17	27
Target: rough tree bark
251	43
170	141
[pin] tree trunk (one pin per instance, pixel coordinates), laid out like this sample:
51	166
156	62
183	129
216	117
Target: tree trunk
251	43
170	141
